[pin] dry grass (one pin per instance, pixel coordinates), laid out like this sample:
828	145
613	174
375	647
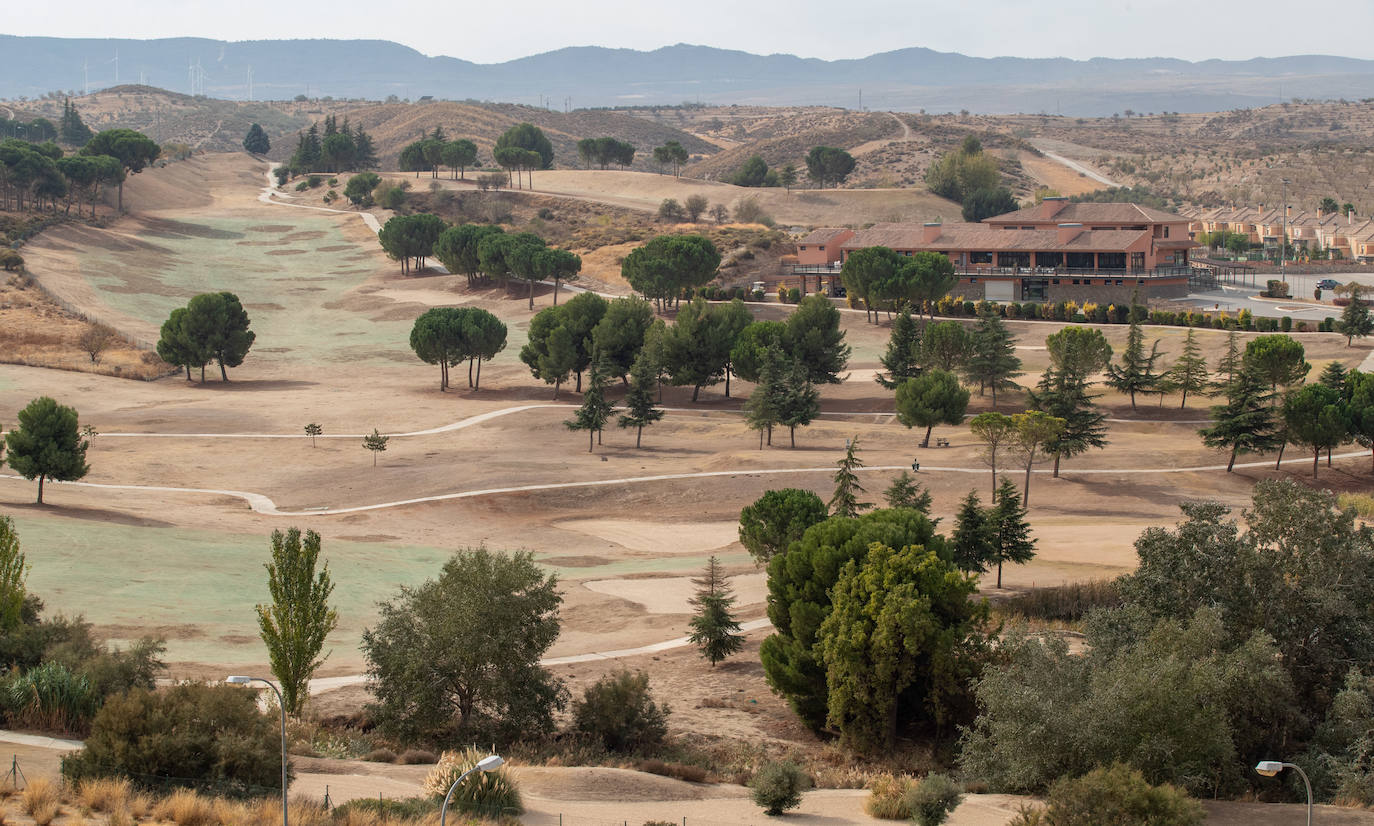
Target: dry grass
1361	503
186	808
104	794
39	796
887	797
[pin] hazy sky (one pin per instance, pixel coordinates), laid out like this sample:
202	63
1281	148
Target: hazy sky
493	32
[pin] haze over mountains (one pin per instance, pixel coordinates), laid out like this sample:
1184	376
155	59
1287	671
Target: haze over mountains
903	80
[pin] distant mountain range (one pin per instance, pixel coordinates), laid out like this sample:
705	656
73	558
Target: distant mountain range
903	80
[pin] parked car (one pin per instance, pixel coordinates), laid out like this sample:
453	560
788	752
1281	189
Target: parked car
1326	284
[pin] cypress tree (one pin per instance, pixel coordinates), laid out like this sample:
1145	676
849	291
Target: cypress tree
1136	371
902	360
715	631
595	410
992	361
906	492
800	401
846	502
1012	541
1189	373
1333	376
972	543
639	399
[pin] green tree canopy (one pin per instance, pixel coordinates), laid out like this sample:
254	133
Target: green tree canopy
991	362
458	656
294	625
988	202
1278	359
216	325
47	444
1315	417
256	141
829	165
902	360
800	584
769	525
619	336
934	397
134	150
899	645
944	346
530	138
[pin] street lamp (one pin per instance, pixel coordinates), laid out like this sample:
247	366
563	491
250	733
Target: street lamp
239	679
487	764
1269	768
1283	242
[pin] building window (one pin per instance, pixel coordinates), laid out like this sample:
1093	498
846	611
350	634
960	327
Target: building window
1140	281
1166	231
980	257
1118	282
802	248
973	280
821	248
1055	281
1075	282
1097	229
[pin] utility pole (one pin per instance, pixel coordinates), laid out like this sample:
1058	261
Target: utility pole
250	83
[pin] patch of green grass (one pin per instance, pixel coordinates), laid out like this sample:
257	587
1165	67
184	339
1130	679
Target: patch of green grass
202	585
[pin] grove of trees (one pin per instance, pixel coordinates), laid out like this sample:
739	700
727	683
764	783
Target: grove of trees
212	327
448	336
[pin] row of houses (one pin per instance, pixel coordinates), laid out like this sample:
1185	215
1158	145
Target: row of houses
1052	251
1347	235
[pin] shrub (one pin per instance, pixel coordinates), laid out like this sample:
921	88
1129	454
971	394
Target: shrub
49	697
413	757
682	771
1274	288
778	786
382	809
619	711
782	293
1068	603
933	799
545	213
314	181
793	295
1115	795
302	186
1286	324
104	794
749	211
670	210
969	308
887	798
332	181
11	260
489	794
758	295
207	735
380	756
331	196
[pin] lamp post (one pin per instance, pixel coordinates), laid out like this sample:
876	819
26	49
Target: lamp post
1283	242
489	763
1269	768
239	679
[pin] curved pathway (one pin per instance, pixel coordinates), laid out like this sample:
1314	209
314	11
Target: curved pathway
269	196
1077	167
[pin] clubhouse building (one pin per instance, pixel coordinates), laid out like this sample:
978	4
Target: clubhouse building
1052	251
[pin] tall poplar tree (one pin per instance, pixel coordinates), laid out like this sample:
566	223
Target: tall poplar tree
296	623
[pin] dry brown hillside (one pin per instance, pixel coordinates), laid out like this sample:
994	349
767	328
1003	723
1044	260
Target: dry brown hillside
393	125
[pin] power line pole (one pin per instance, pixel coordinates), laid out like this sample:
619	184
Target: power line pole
1283	242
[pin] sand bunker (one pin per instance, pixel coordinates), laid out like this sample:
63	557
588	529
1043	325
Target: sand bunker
657	537
672	595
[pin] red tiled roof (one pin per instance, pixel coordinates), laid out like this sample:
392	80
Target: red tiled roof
1090	213
823	235
979	238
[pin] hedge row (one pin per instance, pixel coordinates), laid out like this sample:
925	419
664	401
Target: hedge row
1113	314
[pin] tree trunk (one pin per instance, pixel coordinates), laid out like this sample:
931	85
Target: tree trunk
696	391
760	438
599	431
590	444
223	374
1316	460
188	371
202	374
639	434
1025	492
1231	463
374	455
926	442
121	196
556	386
1133	400
1056	466
727	382
470	361
1282	447
478	384
555	291
531	293
992	455
994	395
1183	403
1328	456
41	477
999	574
793	433
579	381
